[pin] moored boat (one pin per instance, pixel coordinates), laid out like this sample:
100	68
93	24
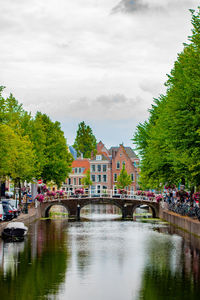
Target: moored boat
14	231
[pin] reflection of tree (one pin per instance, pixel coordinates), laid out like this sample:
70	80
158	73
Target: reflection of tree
42	275
167	285
162	279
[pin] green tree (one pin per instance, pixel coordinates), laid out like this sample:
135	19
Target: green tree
169	141
16	156
85	141
124	179
7	151
41	151
86	181
56	156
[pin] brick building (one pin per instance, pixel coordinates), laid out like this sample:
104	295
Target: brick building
105	167
124	156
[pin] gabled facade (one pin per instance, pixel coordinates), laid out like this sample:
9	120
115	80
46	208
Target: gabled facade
124	156
104	168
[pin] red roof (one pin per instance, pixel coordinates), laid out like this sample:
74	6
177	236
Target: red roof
81	163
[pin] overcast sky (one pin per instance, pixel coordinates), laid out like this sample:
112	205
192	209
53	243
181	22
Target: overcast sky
101	61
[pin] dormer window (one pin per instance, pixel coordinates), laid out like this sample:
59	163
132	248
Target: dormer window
98	157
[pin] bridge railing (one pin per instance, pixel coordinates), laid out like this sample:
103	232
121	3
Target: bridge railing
109	193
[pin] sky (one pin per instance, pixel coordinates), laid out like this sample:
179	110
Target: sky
98	61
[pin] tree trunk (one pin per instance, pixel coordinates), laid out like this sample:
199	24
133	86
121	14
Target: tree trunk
20	194
182	181
191	195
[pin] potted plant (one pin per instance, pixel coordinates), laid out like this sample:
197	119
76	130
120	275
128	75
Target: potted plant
40	197
79	192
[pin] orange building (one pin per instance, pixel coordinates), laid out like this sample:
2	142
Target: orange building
79	169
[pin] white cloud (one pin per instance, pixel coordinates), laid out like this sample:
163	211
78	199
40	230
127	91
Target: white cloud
60	56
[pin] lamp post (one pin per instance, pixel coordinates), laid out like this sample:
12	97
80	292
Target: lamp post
124	212
78	212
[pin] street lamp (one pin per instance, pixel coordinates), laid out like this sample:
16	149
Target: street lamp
124	212
78	212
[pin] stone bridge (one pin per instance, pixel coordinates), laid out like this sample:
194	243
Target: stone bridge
74	206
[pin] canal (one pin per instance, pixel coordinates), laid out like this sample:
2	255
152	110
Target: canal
101	259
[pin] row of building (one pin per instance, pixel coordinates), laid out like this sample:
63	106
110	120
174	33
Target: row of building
104	168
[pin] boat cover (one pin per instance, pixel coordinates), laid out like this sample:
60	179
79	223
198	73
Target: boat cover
15	225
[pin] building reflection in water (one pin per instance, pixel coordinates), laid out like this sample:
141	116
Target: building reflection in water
37	266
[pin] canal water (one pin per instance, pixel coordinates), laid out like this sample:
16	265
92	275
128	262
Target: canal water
101	259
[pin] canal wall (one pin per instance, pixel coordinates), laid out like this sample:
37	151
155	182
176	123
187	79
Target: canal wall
32	215
186	223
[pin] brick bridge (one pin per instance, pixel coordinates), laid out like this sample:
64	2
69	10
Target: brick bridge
74	205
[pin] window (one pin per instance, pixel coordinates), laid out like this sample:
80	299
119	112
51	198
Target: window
80	170
104	168
98	189
115	177
93	178
118	164
115	190
75	170
98	157
98	178
74	181
104	178
132	177
79	181
123	163
69	181
93	168
99	168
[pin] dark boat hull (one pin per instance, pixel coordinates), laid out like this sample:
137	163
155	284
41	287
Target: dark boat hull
13	234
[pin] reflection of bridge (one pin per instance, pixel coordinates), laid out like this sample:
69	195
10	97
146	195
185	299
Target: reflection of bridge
74	205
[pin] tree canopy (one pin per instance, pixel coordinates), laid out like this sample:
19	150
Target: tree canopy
31	147
124	179
169	141
85	141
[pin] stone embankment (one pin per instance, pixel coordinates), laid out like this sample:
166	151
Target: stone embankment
185	223
25	218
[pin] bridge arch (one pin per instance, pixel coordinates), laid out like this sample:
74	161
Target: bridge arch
47	208
155	212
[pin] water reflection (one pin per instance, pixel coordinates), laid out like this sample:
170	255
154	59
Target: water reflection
101	260
36	267
100	212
